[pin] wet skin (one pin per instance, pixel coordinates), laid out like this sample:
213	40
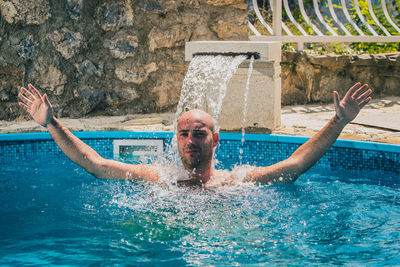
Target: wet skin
196	142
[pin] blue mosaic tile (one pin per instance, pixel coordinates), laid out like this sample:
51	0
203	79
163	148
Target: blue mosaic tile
261	150
267	153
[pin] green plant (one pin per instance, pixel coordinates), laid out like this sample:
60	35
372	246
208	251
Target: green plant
371	47
341	48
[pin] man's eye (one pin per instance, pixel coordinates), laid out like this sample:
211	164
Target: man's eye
199	134
183	134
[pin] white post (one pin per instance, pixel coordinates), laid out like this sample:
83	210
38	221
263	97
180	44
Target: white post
277	17
300	46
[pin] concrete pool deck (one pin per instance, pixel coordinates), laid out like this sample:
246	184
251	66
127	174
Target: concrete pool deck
379	121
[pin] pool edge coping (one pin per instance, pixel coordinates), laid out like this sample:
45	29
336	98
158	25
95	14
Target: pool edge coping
5	137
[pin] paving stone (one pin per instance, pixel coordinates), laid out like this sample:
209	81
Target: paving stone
376	122
299	109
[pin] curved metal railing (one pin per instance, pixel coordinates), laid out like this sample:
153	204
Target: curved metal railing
331	21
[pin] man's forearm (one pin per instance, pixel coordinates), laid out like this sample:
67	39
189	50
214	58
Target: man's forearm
87	158
302	159
74	148
39	107
310	152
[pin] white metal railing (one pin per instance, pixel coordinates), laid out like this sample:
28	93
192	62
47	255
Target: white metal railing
328	23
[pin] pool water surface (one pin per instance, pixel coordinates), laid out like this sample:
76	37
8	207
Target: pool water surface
52	212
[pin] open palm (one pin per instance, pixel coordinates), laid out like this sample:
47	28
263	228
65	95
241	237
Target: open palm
36	105
351	104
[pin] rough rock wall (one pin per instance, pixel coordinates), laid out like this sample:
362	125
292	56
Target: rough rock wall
106	57
313	78
127	56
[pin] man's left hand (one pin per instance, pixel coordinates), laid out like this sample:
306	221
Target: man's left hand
354	100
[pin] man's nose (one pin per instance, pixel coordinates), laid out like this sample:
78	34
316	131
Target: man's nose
190	137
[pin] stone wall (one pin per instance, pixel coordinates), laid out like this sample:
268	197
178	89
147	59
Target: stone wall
119	57
106	57
313	78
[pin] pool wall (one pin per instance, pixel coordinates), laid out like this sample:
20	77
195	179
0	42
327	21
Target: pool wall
259	149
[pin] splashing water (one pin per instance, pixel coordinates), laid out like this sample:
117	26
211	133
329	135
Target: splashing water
204	87
62	215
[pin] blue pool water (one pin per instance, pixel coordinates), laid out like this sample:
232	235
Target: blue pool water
52	212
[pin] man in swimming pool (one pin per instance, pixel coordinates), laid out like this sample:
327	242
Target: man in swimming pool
197	140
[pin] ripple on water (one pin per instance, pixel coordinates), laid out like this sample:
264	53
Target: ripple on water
63	215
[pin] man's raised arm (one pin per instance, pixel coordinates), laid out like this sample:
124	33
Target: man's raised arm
310	152
40	109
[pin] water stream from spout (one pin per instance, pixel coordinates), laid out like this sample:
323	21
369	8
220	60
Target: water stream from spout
245	97
205	84
204	87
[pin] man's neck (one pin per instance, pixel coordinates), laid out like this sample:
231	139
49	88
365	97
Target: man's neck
200	175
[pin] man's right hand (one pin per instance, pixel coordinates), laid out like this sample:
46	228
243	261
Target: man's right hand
75	149
36	105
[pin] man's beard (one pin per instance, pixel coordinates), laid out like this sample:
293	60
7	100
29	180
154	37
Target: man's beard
198	160
192	163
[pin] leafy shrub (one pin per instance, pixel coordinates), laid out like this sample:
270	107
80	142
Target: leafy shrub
339	48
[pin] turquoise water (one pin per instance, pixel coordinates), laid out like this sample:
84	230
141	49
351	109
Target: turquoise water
52	212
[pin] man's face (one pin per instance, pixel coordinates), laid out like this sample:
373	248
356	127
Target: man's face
196	141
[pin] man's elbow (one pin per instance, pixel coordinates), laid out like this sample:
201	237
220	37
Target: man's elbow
291	178
286	178
293	171
97	167
96	174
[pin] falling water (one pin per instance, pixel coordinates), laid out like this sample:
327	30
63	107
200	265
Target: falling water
204	87
205	84
246	93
